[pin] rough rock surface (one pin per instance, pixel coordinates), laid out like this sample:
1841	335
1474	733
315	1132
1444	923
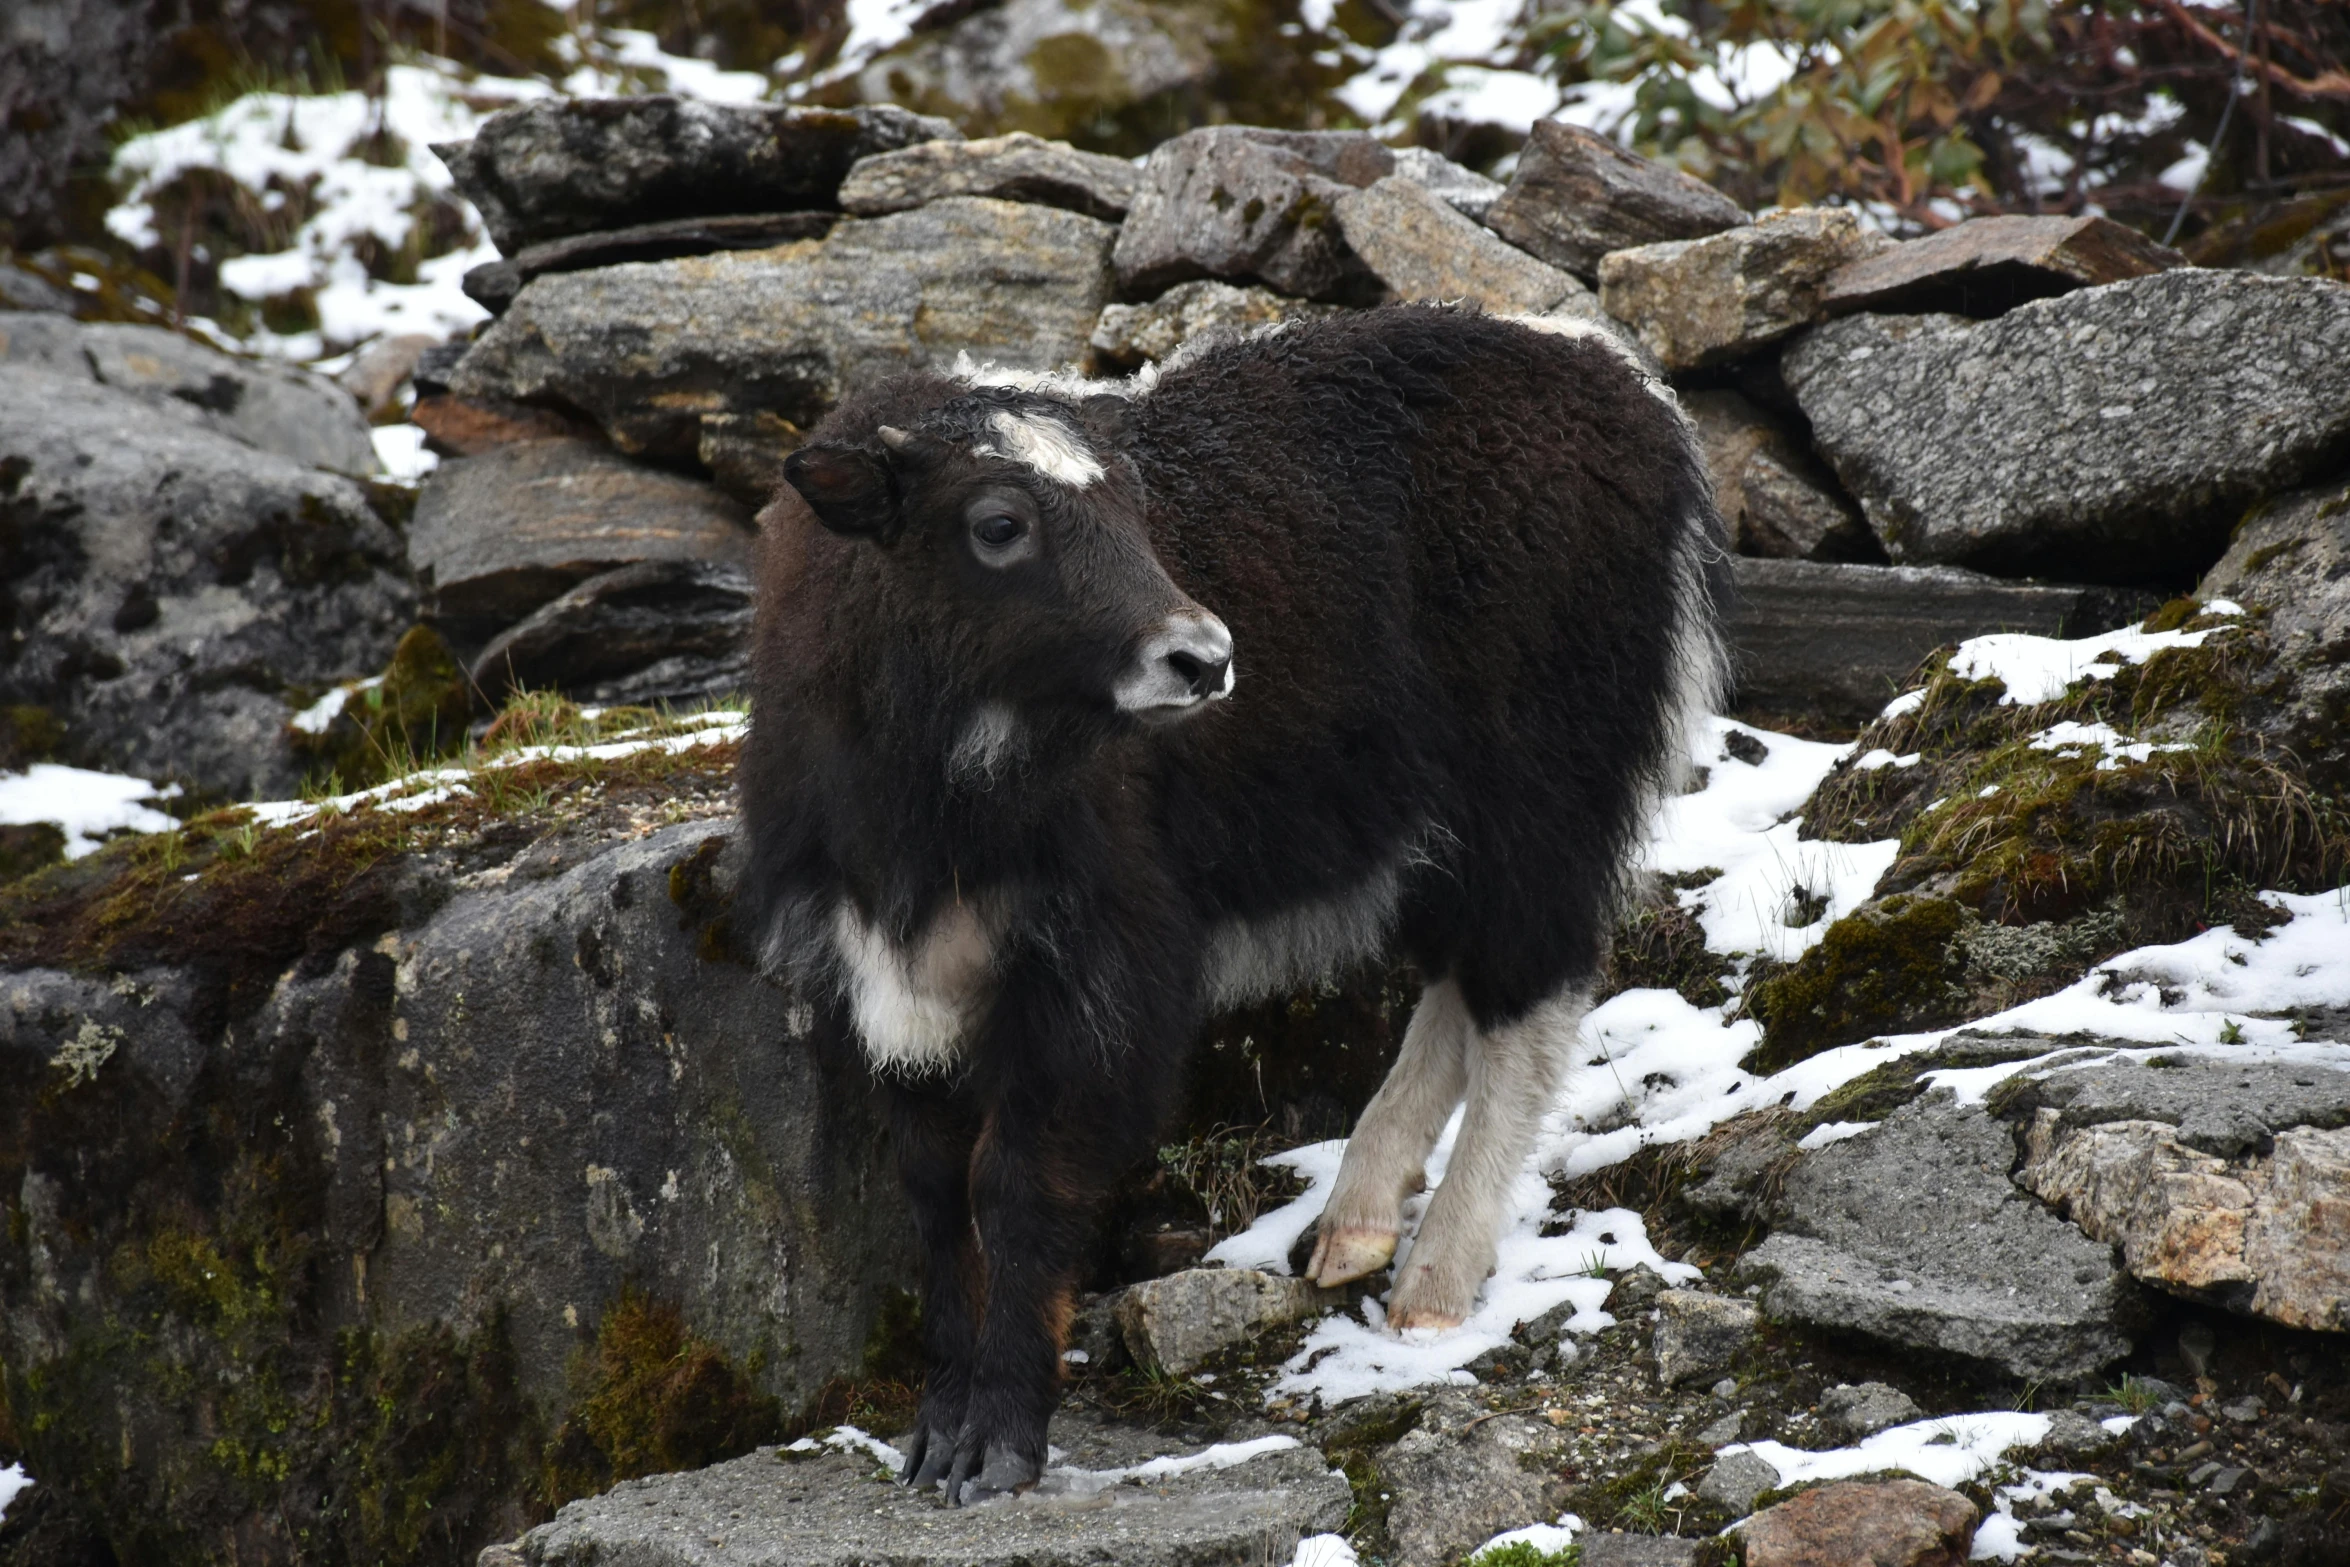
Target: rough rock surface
1736	1479
1914	1234
1457	1480
657	631
1463	189
1017	167
425	1121
2226	1181
1576	196
496	536
1700	1336
830	1508
1840	639
1635	1550
1775	496
578	165
1867	1408
1864	1523
1985	266
493	284
1421	248
1241	203
2134	422
176	593
647	350
279	408
1700	302
1128	336
2290	560
1178	1322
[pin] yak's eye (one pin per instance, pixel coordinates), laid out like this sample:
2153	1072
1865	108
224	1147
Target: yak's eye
998	531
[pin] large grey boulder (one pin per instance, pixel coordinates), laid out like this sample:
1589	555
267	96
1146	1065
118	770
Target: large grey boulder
1913	1234
1985	266
499	534
1843	640
2289	561
1017	167
1774	495
1700	302
2113	434
649	349
1575	196
176	595
1420	248
1242	203
833	1505
276	407
389	1125
566	166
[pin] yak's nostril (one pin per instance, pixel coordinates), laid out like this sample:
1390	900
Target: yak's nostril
1201	676
1184	664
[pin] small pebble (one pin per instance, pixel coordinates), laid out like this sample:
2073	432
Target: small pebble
1726	1389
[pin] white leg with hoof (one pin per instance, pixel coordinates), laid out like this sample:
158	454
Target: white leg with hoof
1387	1157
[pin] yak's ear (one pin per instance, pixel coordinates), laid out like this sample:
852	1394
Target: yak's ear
848	487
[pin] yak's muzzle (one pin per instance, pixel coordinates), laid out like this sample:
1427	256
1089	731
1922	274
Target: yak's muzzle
1185	664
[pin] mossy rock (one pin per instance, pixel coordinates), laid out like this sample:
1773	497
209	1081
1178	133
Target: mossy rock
1889	967
416	712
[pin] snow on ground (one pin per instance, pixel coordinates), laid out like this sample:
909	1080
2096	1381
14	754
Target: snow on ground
2037	669
13	1481
88	806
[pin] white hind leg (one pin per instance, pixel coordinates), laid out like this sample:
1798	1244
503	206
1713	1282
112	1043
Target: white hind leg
1387	1157
1514	1073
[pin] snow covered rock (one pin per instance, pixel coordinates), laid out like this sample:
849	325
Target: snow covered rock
2133	422
567	166
276	407
497	535
1017	167
2226	1182
835	1503
1464	1474
178	594
1178	1322
399	1114
1421	248
1769	488
672	631
1576	196
1882	1523
1129	336
1243	203
1699	1336
648	350
2290	560
1835	639
1985	266
1698	302
1913	1234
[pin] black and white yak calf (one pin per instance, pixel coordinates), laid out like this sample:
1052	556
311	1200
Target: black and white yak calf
1081	712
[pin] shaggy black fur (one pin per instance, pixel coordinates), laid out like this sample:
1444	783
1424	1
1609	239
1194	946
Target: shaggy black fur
1470	573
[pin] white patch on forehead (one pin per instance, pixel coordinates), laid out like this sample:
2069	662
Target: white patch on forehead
915	1004
1045	444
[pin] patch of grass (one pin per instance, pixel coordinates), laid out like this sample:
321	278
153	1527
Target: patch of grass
1225	1174
1154	1396
2134	1395
1519	1554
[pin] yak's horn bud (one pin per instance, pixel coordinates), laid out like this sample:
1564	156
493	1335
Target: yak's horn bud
894	438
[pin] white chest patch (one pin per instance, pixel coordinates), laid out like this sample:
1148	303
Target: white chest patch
915	1005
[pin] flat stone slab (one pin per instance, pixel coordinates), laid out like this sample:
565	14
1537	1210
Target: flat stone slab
1913	1234
493	284
835	1508
1017	167
1842	639
2219	1106
1986	266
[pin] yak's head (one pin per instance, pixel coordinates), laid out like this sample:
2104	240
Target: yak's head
1006	545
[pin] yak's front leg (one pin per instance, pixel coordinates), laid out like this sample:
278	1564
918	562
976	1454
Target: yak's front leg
934	1129
1060	1128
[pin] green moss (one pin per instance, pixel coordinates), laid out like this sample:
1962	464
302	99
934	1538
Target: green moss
27	735
1889	967
2172	615
30	847
653	1397
416	714
1520	1554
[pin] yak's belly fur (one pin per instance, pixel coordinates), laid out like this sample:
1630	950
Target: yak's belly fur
1258	959
914	1004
